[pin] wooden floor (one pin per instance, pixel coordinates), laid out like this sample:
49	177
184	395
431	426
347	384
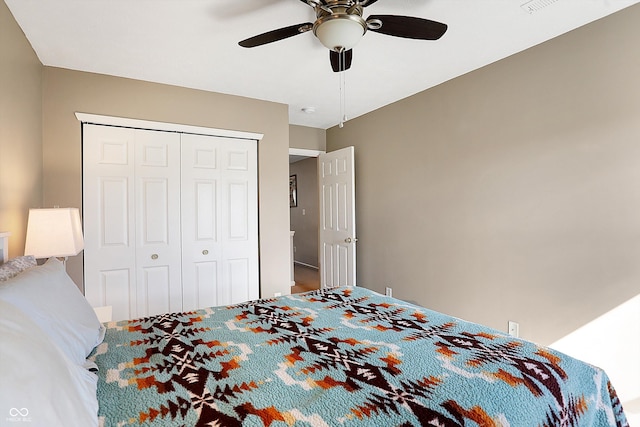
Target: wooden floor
306	278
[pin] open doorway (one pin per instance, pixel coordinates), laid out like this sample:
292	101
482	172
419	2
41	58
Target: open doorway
304	219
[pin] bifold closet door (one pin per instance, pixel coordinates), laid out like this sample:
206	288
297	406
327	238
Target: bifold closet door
157	187
131	212
219	221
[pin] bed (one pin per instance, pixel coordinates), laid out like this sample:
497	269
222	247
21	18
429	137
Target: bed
335	357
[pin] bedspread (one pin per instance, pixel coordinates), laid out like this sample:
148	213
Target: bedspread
339	357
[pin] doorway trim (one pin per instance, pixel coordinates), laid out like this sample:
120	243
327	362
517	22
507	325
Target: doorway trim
308	153
305	152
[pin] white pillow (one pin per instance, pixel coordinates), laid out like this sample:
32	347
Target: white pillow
40	386
50	298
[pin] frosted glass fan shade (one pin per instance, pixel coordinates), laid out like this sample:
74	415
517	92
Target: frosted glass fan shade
54	233
339	33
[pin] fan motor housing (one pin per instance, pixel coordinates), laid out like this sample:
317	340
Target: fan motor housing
339	25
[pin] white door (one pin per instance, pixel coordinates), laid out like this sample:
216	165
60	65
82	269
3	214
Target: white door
220	221
109	219
239	231
157	209
171	220
337	218
131	199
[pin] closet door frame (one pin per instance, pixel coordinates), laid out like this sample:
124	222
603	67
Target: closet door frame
98	119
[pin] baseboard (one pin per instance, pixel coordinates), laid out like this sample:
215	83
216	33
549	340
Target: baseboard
306	265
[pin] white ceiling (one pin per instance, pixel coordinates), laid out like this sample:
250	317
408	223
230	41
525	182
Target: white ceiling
194	43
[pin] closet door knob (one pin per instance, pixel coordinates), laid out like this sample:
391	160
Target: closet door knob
154	256
205	252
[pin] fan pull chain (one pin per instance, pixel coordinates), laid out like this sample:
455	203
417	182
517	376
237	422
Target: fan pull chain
343	115
343	89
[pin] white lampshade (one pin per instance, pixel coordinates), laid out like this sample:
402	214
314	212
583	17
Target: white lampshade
54	233
340	33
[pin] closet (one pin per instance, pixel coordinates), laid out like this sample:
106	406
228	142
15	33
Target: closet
170	220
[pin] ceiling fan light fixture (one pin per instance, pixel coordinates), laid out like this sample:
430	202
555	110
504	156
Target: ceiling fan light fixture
339	32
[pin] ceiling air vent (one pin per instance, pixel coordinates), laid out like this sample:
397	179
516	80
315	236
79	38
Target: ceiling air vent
535	5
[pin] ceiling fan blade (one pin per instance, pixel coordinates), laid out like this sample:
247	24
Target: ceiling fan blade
275	35
340	65
409	27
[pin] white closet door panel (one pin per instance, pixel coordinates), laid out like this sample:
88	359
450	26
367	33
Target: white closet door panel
206	284
158	243
156	287
155	206
114	207
238	268
238	160
237	228
202	155
201	252
240	239
114	152
108	218
116	290
206	210
239	275
219	209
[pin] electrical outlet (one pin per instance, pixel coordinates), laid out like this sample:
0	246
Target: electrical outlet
514	329
388	292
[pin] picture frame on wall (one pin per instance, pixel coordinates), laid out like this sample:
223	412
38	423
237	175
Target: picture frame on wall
293	191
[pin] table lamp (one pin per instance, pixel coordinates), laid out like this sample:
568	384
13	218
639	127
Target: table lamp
54	232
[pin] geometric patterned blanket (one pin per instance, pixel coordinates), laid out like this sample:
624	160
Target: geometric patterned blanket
339	357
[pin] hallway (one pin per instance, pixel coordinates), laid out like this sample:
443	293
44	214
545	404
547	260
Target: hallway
306	278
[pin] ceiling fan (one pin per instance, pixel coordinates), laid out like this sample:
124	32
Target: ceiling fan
339	26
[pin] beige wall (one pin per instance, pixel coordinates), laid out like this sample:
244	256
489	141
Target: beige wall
20	130
513	192
304	217
66	92
307	138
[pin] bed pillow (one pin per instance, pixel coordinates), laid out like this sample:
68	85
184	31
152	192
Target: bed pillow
15	266
40	386
50	298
